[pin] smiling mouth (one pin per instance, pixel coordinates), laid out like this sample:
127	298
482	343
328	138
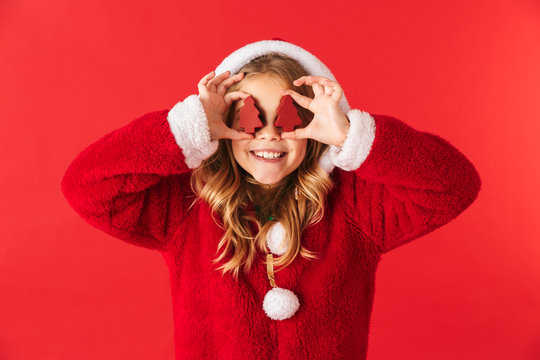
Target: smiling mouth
268	157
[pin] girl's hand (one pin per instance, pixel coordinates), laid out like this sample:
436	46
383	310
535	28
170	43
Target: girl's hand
329	125
211	92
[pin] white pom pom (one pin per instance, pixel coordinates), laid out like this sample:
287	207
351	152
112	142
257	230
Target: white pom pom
280	304
275	236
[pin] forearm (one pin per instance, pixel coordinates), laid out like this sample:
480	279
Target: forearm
129	181
406	182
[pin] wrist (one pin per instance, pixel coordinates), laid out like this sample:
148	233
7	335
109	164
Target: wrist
358	142
344	133
214	120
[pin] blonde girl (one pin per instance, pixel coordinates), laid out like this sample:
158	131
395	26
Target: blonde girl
273	237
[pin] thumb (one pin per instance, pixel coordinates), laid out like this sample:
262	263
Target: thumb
295	135
234	134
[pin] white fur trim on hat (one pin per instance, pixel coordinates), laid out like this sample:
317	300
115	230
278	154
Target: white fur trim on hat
309	62
357	144
280	304
274	239
189	126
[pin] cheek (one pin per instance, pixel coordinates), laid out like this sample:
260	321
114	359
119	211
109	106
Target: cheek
238	150
300	148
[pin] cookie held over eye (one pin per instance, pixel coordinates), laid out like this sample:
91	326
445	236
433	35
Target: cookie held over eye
249	116
287	115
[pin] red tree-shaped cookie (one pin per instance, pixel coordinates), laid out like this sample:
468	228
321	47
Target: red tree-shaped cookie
249	116
287	115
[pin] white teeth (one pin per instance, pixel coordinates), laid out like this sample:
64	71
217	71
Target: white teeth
268	155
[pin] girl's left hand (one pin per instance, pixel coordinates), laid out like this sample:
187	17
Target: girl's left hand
329	125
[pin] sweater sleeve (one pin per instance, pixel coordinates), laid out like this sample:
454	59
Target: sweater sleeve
134	183
413	181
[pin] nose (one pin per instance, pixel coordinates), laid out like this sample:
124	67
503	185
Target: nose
268	132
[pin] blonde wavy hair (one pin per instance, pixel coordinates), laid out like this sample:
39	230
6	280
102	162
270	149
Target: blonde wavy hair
227	187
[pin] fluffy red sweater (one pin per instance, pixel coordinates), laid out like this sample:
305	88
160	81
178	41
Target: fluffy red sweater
134	185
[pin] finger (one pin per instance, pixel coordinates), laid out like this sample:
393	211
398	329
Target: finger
295	135
329	82
233	96
228	82
234	134
338	92
206	78
300	81
333	84
328	89
318	89
336	88
308	80
301	100
202	85
203	90
213	82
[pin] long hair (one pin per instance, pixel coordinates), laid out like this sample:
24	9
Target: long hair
227	187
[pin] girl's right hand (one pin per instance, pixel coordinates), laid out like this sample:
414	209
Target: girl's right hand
216	103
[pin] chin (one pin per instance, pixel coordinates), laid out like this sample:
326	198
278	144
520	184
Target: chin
268	180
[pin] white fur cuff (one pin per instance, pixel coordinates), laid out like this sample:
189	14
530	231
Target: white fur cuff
357	144
189	126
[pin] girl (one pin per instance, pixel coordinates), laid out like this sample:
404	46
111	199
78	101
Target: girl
300	218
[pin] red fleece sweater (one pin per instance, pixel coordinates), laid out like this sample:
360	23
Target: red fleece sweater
134	185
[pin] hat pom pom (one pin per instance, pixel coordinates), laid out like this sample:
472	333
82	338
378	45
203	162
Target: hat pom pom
280	304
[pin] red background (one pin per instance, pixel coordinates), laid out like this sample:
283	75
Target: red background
72	71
